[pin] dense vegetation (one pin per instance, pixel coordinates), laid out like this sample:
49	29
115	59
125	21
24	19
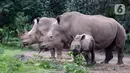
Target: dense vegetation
9	63
17	15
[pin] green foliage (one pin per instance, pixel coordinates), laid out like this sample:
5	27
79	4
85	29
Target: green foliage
50	65
20	22
16	15
79	60
74	68
9	64
1	51
127	45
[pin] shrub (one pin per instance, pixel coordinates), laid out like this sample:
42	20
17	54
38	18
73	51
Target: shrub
74	68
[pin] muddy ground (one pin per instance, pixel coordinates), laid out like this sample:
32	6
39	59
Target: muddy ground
98	68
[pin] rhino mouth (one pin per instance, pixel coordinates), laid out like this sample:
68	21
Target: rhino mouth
43	49
76	51
25	44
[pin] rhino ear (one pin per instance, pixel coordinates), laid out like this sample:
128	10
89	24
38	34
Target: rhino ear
38	18
58	19
82	37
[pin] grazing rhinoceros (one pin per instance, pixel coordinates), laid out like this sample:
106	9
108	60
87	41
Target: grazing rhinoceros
107	32
38	31
84	44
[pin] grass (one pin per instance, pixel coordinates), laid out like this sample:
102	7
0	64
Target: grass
8	64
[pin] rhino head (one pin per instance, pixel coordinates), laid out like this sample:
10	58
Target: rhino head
39	29
57	33
30	37
76	43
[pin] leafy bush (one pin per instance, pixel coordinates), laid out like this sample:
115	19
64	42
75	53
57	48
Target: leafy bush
8	64
50	65
74	68
127	45
79	60
21	22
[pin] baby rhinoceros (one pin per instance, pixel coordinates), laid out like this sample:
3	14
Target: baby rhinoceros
84	44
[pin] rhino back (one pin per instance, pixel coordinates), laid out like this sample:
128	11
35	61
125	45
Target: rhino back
101	28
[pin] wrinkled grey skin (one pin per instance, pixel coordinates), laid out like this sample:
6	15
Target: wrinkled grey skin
37	33
107	32
84	44
53	46
39	29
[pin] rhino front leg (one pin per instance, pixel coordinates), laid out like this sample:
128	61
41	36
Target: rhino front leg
52	51
59	53
108	54
87	57
74	55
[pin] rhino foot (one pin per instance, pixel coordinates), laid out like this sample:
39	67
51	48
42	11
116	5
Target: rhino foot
59	57
93	63
53	58
104	62
120	63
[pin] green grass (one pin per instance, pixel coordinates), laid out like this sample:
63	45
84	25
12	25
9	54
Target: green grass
8	64
11	51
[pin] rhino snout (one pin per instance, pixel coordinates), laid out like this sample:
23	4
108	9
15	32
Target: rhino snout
44	47
25	43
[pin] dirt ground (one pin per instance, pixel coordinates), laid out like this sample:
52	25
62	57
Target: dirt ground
98	68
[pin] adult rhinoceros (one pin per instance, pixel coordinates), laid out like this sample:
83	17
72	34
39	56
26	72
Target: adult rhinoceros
107	32
40	24
40	27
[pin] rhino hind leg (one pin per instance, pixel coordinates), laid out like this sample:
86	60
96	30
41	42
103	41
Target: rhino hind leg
120	43
120	56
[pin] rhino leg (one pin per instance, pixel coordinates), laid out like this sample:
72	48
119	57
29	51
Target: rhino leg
93	57
120	43
108	52
120	50
59	53
87	57
109	55
74	55
52	51
120	56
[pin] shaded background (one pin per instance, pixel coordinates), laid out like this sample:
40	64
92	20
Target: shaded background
16	15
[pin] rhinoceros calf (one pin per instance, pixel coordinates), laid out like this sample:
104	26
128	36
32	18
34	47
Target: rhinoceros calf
84	44
107	32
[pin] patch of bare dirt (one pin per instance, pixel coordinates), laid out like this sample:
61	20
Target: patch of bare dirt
109	68
98	68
